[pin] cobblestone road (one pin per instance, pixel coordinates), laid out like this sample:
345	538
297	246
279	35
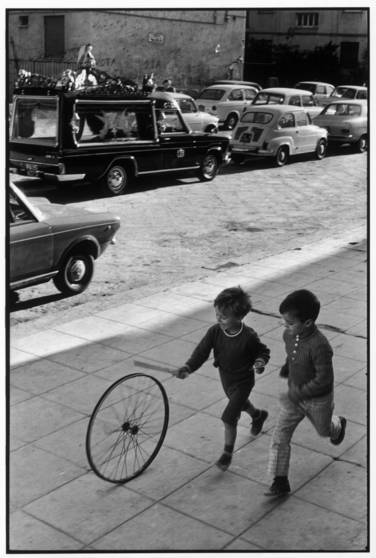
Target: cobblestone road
174	229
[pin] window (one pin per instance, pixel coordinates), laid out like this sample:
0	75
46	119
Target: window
308	101
18	213
35	120
295	101
186	105
54	41
287	121
307	19
23	21
249	94
362	94
236	95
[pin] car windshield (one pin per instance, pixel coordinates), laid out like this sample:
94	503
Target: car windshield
346	92
35	120
213	94
342	109
269	99
257	117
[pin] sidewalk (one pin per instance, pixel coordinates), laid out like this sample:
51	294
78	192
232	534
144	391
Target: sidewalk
182	502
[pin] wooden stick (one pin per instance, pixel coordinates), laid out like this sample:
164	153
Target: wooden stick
156	367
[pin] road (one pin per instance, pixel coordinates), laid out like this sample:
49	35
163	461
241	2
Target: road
175	228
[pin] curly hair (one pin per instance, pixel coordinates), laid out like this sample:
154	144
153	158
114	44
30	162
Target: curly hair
235	300
303	304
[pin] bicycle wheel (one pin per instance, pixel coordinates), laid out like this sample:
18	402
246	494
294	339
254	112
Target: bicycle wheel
127	428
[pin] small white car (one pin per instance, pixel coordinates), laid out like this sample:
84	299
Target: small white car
277	131
319	89
226	101
197	120
288	96
359	92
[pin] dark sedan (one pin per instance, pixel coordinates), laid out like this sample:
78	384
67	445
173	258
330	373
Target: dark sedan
58	243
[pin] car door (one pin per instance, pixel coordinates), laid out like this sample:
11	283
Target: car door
178	146
305	133
30	243
192	116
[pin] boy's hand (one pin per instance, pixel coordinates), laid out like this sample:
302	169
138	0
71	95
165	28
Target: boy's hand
182	373
259	366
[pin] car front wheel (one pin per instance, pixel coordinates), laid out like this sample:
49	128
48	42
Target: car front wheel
115	181
282	156
321	149
75	273
231	121
208	168
361	145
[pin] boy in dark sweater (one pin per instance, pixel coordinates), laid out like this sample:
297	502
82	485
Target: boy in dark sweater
238	353
309	370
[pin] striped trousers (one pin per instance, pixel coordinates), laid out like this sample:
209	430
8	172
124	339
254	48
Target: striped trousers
318	410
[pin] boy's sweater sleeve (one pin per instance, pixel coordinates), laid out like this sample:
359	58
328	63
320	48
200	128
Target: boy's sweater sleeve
262	350
202	352
323	381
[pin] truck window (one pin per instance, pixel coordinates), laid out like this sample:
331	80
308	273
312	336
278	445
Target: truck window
107	123
35	120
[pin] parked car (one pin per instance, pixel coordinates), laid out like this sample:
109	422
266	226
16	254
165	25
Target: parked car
277	131
347	92
196	119
56	242
106	133
319	89
346	122
288	96
226	101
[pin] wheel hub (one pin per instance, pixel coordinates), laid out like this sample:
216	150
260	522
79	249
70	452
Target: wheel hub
77	271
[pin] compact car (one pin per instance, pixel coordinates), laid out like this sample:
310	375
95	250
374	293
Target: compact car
226	101
319	89
346	122
55	242
196	119
278	132
288	96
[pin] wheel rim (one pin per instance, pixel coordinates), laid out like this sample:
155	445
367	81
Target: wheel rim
127	428
209	166
116	179
282	156
231	122
321	149
362	144
76	271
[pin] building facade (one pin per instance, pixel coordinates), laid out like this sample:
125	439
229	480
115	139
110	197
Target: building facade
295	36
192	47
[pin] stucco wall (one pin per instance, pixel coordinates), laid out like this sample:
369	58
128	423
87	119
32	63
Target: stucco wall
180	44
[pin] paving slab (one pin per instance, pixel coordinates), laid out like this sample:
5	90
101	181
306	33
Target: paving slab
297	525
163	529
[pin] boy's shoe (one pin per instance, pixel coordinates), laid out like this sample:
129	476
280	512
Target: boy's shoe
258	422
279	487
340	437
224	461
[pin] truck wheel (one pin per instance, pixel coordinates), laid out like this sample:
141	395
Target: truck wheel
231	121
115	181
361	145
282	156
320	149
75	273
208	168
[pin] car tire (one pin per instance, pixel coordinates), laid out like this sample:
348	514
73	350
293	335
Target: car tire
321	149
211	129
231	121
115	181
209	167
75	273
361	145
282	156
